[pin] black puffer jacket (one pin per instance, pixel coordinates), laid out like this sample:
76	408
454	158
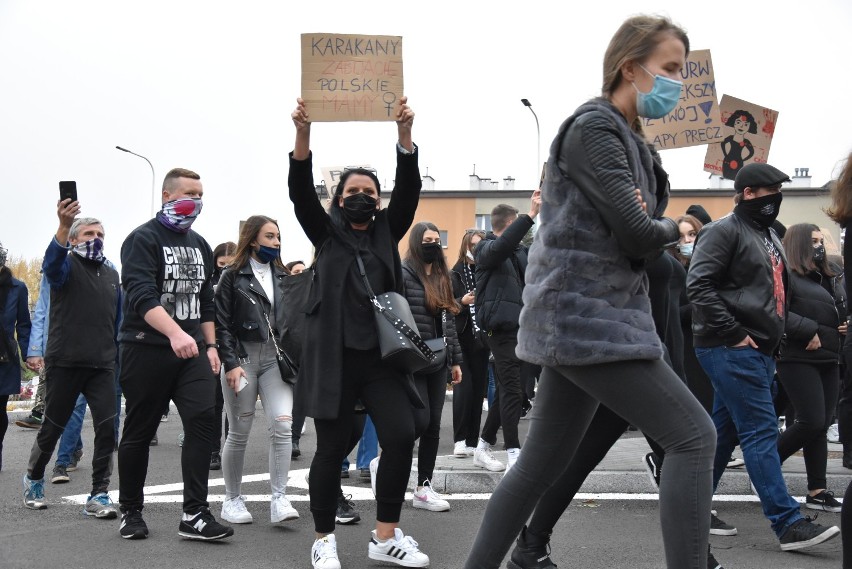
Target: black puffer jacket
813	310
426	322
240	307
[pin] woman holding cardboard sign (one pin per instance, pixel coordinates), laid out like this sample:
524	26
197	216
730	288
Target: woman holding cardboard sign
341	365
587	315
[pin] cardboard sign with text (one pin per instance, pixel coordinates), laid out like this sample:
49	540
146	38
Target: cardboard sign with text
748	133
351	77
331	175
696	118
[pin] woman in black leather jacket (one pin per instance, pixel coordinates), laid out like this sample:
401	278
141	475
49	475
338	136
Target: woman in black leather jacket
809	366
248	306
430	295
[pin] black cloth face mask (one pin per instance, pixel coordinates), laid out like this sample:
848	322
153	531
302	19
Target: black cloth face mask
430	252
359	208
762	210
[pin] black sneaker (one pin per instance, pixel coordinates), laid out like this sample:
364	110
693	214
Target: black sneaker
654	468
60	475
711	561
215	461
132	525
31	422
75	460
346	513
823	501
154	441
805	533
718	527
295	452
202	525
344	473
531	552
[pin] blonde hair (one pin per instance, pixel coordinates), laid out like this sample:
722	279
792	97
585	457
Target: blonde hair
840	210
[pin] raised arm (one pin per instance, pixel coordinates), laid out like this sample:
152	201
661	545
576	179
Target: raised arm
407	182
300	181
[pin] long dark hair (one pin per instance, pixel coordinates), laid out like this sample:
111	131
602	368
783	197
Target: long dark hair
798	244
248	233
465	243
335	212
438	288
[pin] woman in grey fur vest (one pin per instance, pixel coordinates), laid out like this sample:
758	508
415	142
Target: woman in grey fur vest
587	317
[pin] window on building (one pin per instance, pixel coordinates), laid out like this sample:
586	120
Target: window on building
483	221
443	234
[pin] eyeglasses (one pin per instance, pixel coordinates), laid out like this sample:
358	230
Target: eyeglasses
474	231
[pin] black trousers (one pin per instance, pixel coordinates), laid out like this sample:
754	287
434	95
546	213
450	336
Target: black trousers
432	388
66	383
150	376
812	389
468	395
381	391
506	410
844	406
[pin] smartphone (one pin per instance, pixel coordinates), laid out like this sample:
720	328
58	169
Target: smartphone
243	382
68	190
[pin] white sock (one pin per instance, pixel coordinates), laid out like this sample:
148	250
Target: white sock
482	445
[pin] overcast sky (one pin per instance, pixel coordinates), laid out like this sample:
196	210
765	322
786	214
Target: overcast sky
209	86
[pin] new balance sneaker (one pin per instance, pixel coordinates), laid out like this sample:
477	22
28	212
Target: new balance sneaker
461	450
75	460
324	553
531	552
735	462
60	475
346	513
374	473
101	506
203	526
234	511
427	499
280	509
823	501
31	422
718	527
401	549
34	494
654	468
483	458
805	533
132	525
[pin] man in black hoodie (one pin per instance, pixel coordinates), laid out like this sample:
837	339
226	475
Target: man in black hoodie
501	261
169	351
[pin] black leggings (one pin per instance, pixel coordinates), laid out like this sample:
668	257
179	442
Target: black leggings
813	391
382	392
468	395
432	388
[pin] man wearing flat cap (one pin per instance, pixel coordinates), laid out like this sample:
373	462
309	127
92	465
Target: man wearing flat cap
737	284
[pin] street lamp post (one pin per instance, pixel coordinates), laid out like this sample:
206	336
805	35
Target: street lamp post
153	179
528	105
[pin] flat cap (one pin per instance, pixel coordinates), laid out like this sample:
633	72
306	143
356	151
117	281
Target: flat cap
758	175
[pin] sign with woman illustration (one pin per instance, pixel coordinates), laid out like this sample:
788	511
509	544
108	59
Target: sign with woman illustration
748	133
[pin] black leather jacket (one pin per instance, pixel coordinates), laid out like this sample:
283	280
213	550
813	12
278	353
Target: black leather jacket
240	307
731	286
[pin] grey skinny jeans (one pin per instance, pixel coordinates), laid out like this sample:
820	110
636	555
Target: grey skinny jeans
264	379
650	396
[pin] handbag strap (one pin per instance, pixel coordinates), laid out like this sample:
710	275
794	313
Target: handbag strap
278	351
396	322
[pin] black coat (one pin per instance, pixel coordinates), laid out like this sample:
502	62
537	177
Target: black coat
241	304
320	374
500	266
463	322
813	310
426	321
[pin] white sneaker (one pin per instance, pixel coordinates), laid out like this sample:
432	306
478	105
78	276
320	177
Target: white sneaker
512	455
833	434
280	509
735	462
484	459
401	549
427	499
374	469
324	553
461	450
234	511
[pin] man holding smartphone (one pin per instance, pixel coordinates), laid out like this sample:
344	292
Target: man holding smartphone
85	308
169	351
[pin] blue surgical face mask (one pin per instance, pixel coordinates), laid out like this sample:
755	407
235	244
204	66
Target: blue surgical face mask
660	100
267	254
686	249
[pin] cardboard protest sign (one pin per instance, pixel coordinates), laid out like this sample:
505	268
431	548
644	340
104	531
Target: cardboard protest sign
331	175
696	118
748	133
351	77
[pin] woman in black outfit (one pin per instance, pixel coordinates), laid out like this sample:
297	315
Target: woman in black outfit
468	395
341	364
809	366
430	295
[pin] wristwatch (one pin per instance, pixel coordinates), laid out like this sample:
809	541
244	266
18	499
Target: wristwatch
208	346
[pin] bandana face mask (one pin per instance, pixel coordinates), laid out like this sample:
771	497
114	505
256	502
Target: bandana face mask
93	249
179	215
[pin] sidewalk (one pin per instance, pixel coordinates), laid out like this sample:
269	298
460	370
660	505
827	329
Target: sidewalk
622	471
